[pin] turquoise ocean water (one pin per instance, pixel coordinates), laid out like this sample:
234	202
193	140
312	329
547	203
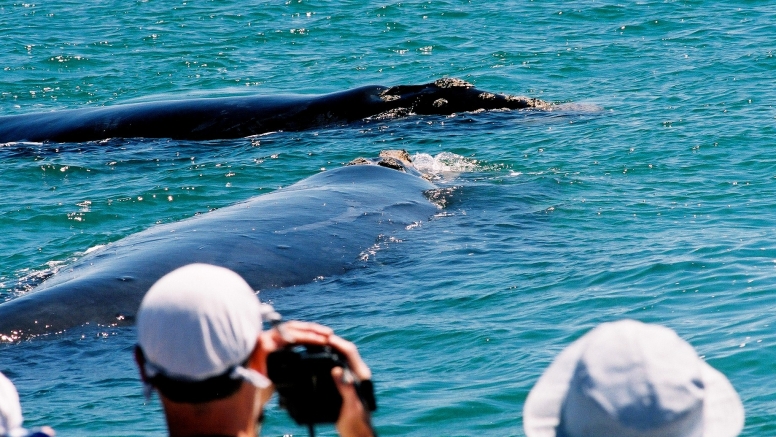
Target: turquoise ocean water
653	197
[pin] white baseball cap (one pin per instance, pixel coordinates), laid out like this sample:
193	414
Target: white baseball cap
198	322
630	379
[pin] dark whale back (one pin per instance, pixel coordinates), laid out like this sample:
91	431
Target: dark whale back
237	117
317	227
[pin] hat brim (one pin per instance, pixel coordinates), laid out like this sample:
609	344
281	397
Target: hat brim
723	413
542	410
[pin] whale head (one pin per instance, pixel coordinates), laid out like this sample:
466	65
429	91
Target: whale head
397	159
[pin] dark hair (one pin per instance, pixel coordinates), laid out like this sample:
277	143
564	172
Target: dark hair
195	392
217	387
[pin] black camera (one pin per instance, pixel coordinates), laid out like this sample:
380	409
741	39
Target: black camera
302	377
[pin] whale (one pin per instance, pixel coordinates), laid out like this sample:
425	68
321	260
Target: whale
243	116
321	226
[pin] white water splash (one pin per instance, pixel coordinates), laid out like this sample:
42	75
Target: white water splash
382	243
580	107
27	279
444	162
30	278
93	248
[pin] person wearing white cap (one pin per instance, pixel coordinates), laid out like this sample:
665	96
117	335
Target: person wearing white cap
11	414
631	379
201	346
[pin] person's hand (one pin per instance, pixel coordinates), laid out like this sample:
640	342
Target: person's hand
43	431
286	333
354	419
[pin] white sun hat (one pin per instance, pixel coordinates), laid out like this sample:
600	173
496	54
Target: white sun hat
11	414
630	379
198	322
10	409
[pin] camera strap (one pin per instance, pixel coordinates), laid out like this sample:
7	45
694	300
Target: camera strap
366	391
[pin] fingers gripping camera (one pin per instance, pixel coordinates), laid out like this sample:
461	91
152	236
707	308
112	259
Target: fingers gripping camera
300	360
302	377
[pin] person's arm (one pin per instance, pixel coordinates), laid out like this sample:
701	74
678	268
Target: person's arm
354	419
